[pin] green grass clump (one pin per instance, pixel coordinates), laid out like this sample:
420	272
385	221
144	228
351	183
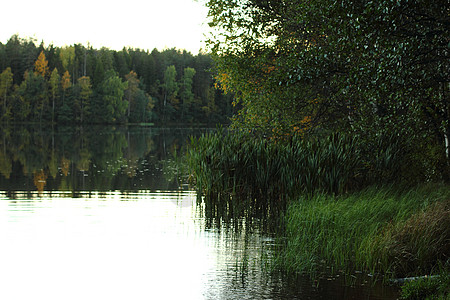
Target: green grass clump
377	230
432	288
416	244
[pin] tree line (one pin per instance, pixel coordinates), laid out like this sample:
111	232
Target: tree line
79	84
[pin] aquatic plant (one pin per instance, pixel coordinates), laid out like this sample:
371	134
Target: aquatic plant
238	164
241	164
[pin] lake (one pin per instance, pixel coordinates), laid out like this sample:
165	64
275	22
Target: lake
105	213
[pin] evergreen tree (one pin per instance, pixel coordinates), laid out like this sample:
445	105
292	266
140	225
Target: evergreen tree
186	94
54	84
6	82
85	86
175	84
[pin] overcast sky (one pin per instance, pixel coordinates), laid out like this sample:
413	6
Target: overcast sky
144	24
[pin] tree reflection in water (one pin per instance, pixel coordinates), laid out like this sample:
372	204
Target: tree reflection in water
96	158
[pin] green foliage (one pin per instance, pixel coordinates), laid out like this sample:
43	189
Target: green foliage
6	82
54	85
33	97
243	164
186	93
170	88
67	55
20	55
368	68
414	245
427	288
85	92
65	114
143	108
112	94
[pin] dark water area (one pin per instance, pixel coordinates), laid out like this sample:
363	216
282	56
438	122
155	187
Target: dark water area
94	158
106	213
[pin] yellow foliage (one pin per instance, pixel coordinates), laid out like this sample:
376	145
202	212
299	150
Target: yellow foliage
41	65
65	164
40	179
67	55
6	82
5	165
65	81
222	82
86	87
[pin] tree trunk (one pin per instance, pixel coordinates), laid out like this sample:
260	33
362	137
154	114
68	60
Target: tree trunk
53	109
447	144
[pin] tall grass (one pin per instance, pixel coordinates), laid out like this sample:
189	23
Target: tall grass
239	164
242	165
377	230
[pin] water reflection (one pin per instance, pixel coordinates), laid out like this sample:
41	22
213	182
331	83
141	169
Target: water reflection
103	213
108	247
90	158
115	246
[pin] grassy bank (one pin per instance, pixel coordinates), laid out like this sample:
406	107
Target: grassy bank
386	231
337	216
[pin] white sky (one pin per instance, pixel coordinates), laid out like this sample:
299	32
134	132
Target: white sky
144	24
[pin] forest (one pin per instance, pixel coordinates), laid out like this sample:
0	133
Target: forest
81	85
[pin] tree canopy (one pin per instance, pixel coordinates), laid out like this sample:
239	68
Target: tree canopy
368	68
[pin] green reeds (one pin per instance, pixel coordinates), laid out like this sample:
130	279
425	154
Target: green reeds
376	230
241	165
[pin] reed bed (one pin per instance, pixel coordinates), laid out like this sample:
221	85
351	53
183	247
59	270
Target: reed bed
378	230
240	165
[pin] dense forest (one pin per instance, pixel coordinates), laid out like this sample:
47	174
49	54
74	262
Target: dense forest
79	84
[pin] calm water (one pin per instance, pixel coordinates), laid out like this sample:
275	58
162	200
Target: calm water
103	213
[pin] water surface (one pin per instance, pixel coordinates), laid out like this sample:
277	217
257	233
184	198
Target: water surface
104	213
